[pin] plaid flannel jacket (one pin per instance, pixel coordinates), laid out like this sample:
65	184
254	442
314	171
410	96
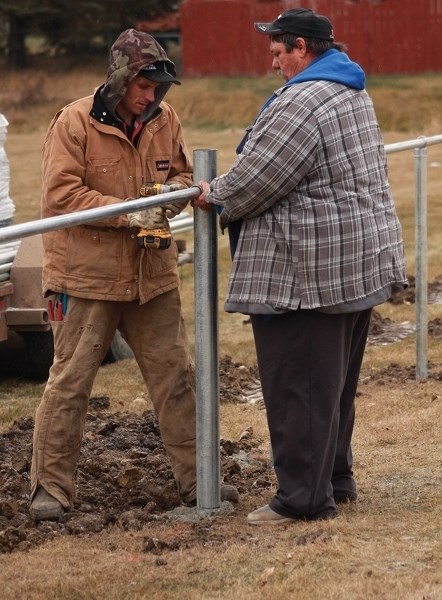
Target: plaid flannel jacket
319	225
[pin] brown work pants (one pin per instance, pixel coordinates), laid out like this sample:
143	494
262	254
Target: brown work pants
156	333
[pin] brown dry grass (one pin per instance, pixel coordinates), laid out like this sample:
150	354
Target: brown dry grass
388	545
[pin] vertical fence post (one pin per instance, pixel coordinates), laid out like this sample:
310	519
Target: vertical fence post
421	301
206	343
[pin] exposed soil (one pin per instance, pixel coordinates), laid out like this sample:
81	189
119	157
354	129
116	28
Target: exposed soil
408	296
124	478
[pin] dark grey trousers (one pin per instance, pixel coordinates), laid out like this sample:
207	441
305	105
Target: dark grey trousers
309	364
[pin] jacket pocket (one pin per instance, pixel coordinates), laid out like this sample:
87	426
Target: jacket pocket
95	254
159	262
105	176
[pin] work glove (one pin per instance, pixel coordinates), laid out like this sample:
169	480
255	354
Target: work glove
174	209
149	218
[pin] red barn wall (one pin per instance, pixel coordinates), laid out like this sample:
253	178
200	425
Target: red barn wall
393	36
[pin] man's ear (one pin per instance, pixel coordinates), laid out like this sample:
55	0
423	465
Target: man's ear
301	46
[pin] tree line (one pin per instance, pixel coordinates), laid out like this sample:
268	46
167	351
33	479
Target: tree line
70	25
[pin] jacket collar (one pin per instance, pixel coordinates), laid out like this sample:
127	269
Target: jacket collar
102	114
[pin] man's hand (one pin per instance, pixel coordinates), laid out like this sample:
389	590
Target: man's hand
174	209
149	218
201	201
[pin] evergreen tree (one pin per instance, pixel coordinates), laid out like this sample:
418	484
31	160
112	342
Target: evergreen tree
71	24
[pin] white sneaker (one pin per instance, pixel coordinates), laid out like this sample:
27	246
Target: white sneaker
266	516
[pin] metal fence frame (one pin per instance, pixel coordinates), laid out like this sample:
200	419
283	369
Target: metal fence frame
420	145
206	295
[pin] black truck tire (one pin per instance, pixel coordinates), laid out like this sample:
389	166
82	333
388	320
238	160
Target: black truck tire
39	349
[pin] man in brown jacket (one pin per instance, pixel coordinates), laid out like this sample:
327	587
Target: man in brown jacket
98	151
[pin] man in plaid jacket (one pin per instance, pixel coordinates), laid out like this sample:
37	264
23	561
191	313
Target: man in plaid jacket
319	245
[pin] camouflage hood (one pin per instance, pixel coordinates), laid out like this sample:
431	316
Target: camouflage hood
133	51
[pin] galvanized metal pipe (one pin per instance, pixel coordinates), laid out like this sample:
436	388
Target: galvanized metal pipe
182	222
421	284
8	251
14	232
420	145
5	267
420	142
206	343
7	255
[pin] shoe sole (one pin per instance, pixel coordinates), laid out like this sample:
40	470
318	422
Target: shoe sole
40	514
230	497
345	498
272	522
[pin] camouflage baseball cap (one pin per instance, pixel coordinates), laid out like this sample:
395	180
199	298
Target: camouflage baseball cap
136	52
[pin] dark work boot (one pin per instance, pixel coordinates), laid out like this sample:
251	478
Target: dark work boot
344	489
341	497
45	507
227	493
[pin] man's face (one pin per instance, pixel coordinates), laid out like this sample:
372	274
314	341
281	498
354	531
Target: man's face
288	64
139	94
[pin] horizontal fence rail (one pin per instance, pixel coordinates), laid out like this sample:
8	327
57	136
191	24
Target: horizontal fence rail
14	232
420	142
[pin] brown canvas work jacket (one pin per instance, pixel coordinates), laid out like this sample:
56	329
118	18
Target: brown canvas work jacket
88	161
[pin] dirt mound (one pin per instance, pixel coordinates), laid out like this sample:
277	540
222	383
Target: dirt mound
385	331
395	373
408	296
435	328
238	383
123	477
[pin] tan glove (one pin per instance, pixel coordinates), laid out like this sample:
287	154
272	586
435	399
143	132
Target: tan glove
149	218
174	209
